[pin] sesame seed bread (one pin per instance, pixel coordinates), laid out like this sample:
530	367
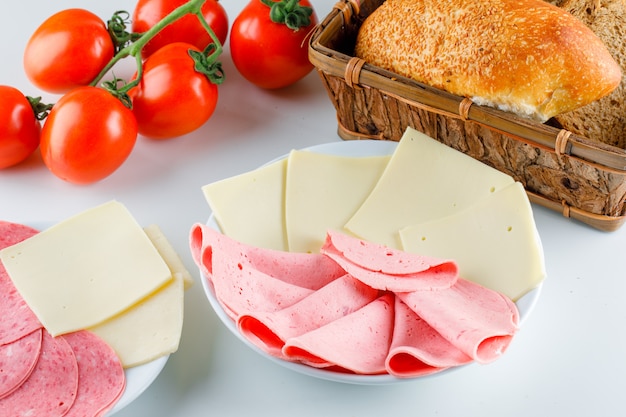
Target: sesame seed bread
528	57
603	120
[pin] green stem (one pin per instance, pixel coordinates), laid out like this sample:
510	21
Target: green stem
134	49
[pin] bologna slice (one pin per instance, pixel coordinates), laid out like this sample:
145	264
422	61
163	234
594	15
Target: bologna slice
270	330
17	361
101	379
479	321
18	320
358	342
249	278
51	388
388	269
417	349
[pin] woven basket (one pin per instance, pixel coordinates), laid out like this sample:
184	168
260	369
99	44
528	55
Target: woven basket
581	178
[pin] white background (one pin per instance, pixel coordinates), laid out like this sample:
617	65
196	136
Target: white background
568	359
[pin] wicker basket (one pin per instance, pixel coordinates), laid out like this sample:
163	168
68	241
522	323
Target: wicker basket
583	179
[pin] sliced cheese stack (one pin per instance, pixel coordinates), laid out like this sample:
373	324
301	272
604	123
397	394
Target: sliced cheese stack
100	271
425	198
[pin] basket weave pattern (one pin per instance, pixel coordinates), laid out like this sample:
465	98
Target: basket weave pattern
578	177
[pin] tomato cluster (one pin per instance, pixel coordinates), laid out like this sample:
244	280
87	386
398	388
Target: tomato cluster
93	127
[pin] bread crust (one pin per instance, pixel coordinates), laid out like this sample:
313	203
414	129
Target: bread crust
524	56
603	120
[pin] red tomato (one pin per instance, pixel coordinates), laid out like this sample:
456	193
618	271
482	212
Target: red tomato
19	127
69	49
172	98
187	29
268	54
87	135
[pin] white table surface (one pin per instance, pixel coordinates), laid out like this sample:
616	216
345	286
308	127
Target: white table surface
568	359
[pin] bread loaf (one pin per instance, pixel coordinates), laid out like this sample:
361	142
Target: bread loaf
603	120
524	56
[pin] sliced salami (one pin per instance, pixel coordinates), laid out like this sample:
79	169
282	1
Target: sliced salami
101	379
18	320
17	361
51	388
389	269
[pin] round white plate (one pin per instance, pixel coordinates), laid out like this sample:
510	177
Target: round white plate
525	304
138	378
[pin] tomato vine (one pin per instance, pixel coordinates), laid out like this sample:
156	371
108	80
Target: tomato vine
131	44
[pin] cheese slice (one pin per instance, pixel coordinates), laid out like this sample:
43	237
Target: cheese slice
494	242
424	180
168	253
148	330
86	269
249	207
322	192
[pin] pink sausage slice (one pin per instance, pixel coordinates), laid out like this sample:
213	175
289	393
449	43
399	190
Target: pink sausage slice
18	320
417	349
17	361
101	379
358	342
51	388
247	278
269	330
478	321
388	269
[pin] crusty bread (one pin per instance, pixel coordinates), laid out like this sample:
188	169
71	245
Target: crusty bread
524	56
603	120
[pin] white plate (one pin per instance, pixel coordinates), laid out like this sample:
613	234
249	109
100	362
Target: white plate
525	304
138	378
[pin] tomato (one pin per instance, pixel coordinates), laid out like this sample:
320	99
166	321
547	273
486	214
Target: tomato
67	50
19	127
187	29
269	54
172	98
87	135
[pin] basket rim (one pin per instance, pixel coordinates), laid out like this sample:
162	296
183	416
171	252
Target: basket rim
361	74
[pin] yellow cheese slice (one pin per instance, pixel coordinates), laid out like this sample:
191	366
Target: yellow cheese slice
249	207
148	330
494	242
169	254
322	192
424	180
86	269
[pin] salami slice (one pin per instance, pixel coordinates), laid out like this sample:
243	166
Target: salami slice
51	388
18	320
269	330
17	361
101	379
389	269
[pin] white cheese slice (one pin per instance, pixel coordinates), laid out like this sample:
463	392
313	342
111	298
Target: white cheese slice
168	253
494	242
86	269
322	192
424	180
149	329
249	207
